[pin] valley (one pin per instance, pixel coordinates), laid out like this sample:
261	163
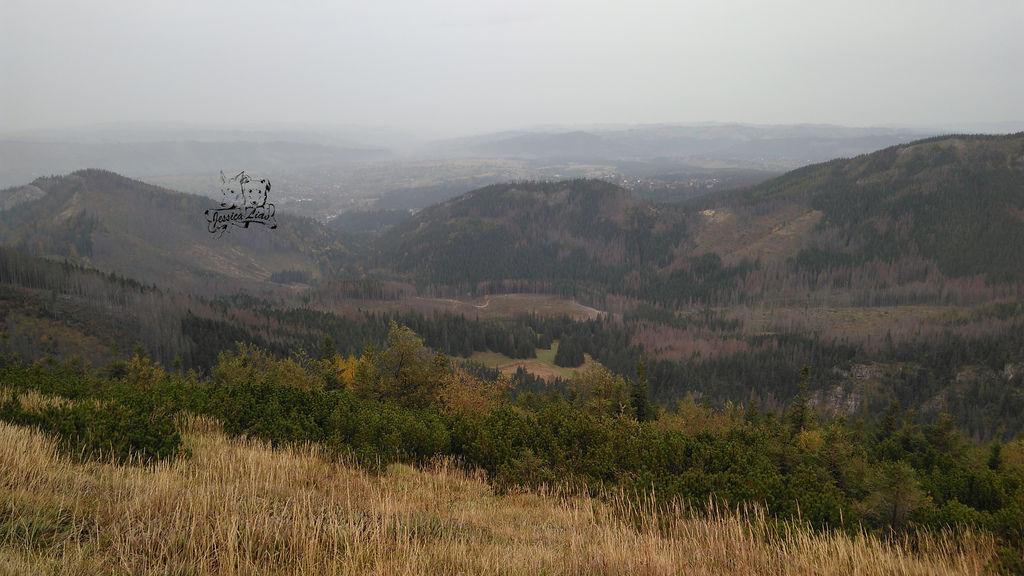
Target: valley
887	257
843	343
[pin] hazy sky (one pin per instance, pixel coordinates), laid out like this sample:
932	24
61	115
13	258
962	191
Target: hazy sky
458	66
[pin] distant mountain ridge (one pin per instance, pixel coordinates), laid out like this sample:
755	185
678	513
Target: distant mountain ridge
749	145
21	161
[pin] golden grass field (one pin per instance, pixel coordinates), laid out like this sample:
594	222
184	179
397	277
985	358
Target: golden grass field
242	507
543	366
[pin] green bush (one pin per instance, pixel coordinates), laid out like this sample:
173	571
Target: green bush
128	427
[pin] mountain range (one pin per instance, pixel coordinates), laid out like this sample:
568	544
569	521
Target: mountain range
775	147
182	153
950	205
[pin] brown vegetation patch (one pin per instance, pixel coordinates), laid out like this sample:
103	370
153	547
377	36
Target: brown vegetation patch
849	322
494	306
785	238
772	237
662	342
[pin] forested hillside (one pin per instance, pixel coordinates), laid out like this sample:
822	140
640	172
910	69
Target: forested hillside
933	221
954	203
533	236
155	235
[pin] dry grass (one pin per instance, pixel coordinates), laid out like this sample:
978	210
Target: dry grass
240	507
33	401
543	366
738	235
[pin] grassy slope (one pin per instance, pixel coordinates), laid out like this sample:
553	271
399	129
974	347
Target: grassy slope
240	507
543	365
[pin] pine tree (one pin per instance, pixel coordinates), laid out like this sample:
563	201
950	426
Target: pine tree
327	350
800	414
639	394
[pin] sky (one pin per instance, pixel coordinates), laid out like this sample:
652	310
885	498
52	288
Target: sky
456	67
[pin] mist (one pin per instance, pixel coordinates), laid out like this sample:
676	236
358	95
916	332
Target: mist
457	67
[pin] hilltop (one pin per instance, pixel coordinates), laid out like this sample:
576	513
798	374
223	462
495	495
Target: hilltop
955	201
535	235
154	235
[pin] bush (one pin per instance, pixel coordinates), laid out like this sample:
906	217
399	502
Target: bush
131	426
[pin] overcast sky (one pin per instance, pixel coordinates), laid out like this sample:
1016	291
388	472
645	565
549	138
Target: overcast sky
452	67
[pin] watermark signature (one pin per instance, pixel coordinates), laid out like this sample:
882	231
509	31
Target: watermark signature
244	200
